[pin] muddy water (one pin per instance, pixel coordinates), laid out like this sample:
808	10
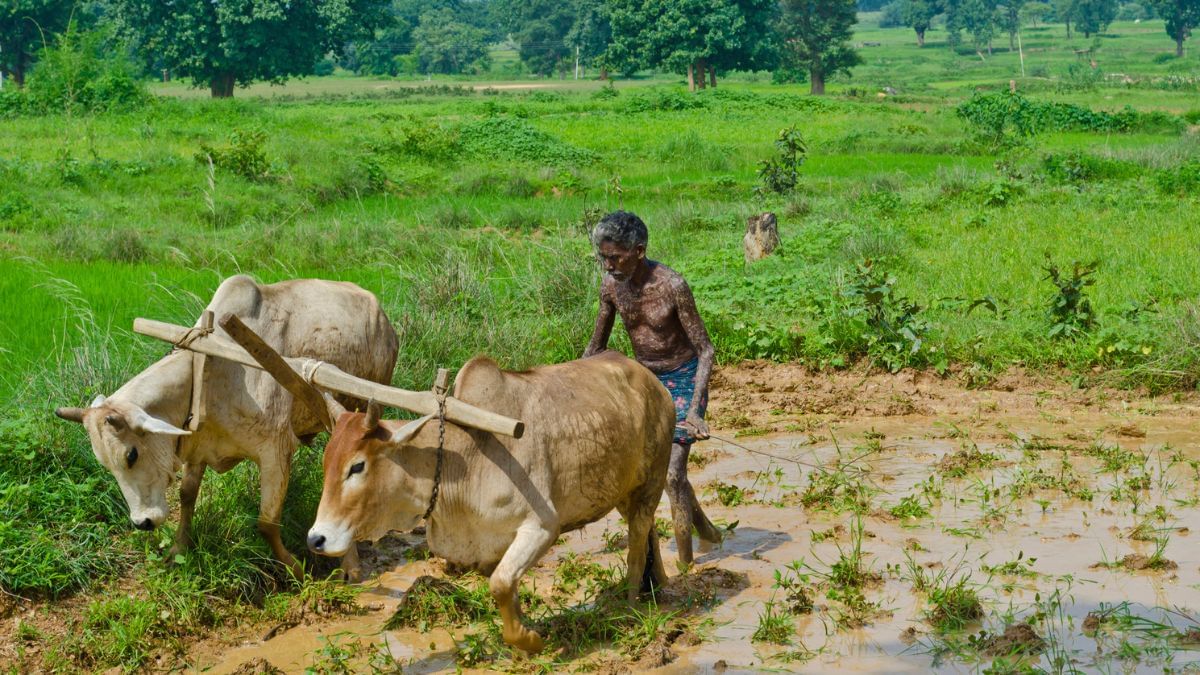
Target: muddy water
978	520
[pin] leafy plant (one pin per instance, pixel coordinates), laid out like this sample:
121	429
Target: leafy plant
243	156
780	173
1070	309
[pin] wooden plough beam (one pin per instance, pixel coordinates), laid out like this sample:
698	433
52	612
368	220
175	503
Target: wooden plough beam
328	376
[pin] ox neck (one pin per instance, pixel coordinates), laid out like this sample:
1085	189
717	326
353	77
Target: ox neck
164	389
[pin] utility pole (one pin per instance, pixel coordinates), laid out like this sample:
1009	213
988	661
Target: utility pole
577	62
1020	50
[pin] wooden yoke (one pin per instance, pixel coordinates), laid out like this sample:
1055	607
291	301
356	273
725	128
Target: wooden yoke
329	376
269	360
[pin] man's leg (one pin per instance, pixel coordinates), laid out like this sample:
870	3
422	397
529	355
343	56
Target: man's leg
685	508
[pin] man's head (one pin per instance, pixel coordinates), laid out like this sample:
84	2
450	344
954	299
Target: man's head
620	240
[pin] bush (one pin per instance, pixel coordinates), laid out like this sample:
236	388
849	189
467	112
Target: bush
243	156
1182	180
510	138
84	71
1077	166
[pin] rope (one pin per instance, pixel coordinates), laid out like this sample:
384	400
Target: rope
788	459
191	336
309	368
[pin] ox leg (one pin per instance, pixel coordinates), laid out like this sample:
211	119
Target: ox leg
643	560
531	542
273	480
685	508
189	491
351	571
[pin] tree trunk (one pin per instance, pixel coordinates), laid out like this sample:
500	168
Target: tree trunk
603	73
712	77
221	85
920	37
1068	22
1012	42
1179	48
817	80
701	70
692	76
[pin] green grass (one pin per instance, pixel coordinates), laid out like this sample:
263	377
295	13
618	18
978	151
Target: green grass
465	206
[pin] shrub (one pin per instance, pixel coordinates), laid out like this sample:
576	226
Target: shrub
243	156
780	173
1182	180
1077	166
1070	309
511	138
84	71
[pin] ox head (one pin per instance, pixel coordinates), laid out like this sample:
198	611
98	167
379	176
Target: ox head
368	490
137	448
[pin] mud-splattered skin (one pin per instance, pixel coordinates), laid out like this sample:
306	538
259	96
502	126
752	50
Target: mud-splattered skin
659	312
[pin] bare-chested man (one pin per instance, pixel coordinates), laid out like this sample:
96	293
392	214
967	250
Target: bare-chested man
669	338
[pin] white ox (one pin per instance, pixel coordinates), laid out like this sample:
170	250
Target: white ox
598	436
137	433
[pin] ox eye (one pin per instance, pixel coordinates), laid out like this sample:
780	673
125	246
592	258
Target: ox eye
131	457
356	467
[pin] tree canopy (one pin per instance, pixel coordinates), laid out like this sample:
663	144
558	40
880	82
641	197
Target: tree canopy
1181	17
27	26
240	41
815	35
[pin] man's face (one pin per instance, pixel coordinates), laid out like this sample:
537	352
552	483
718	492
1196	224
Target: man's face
618	261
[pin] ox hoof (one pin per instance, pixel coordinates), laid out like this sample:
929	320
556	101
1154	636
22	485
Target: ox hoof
527	641
350	576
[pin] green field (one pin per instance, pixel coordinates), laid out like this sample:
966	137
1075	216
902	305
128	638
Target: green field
465	207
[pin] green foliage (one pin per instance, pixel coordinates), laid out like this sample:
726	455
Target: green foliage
207	41
1078	167
1070	309
243	156
84	72
1006	119
866	317
774	626
25	26
445	45
779	173
815	36
515	139
56	509
1182	180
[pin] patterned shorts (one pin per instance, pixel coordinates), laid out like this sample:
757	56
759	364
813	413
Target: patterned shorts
681	383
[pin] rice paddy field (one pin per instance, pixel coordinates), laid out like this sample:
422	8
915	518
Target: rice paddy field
988	296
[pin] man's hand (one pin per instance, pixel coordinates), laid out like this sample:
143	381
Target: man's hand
696	426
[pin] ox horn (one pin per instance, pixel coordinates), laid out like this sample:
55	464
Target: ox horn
70	414
406	432
374	411
335	409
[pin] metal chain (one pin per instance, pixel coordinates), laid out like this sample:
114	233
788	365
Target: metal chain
437	472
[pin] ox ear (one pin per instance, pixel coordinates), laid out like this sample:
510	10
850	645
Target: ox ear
335	409
374	411
406	432
143	423
98	401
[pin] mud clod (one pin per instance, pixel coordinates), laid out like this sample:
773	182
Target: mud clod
257	667
1019	638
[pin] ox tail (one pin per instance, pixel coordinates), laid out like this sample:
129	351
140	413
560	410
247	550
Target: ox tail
650	581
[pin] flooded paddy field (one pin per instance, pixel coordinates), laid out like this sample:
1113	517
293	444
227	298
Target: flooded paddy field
875	524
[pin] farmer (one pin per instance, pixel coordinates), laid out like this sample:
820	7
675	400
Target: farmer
669	338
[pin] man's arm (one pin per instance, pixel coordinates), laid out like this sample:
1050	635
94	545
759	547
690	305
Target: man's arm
693	325
604	325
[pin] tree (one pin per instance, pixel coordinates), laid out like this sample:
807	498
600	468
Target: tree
590	35
1065	10
978	18
446	45
1035	12
26	26
699	37
816	36
1181	16
918	15
1093	16
240	41
1008	19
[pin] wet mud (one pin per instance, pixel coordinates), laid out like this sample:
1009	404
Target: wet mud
1068	513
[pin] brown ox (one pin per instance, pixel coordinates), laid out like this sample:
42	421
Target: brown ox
598	437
